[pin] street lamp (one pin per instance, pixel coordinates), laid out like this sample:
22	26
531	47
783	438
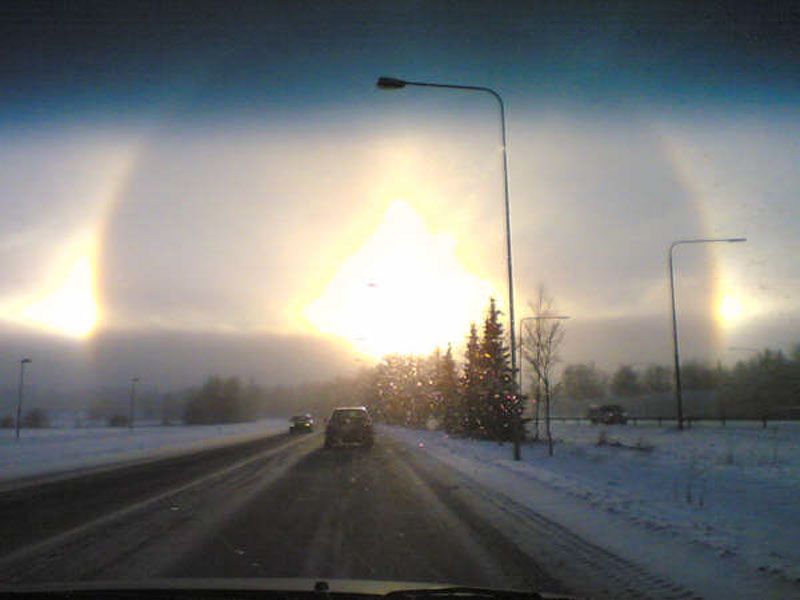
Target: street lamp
678	392
392	83
22	364
522	355
134	381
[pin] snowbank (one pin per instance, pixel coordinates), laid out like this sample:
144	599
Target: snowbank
731	494
46	451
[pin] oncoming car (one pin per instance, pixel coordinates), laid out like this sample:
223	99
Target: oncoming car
349	426
301	424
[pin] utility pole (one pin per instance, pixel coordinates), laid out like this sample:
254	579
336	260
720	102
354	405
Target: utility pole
20	390
131	407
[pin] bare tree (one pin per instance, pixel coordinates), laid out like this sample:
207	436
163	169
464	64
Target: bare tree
543	334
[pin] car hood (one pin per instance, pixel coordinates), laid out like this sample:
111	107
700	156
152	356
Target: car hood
300	584
368	587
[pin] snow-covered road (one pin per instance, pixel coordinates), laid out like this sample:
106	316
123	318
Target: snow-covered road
46	451
713	508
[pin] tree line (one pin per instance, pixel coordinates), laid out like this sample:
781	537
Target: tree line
766	385
475	398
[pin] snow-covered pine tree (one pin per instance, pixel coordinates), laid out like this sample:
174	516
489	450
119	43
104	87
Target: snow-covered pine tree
498	386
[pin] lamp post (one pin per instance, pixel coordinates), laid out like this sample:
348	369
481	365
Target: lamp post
678	392
392	83
134	381
20	390
522	354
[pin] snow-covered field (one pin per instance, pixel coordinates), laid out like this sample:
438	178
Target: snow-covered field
715	501
45	451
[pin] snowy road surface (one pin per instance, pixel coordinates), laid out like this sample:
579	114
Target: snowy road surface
45	451
283	506
714	508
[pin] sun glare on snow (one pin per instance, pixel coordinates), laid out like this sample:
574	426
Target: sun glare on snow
403	291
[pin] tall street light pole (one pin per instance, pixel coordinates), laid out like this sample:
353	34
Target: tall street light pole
678	391
392	83
134	381
20	390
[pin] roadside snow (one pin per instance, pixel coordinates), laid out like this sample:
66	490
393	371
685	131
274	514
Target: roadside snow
47	451
729	495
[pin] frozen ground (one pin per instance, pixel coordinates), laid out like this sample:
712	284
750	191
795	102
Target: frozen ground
708	503
45	451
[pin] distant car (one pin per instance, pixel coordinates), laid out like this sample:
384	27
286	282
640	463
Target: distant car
349	426
608	414
301	424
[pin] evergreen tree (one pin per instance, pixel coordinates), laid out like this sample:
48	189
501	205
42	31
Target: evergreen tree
218	401
472	384
448	392
498	404
625	382
584	381
394	380
657	379
427	405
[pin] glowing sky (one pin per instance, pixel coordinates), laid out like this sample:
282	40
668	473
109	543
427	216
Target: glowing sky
270	188
404	290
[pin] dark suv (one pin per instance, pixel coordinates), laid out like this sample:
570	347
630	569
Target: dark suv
301	424
349	426
608	414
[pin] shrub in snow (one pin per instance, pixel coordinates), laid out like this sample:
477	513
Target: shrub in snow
118	421
728	458
641	444
36	419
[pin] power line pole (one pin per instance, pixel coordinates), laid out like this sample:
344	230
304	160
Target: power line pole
22	364
131	407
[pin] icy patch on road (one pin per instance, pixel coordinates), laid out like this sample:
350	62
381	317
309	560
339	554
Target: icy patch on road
730	494
47	451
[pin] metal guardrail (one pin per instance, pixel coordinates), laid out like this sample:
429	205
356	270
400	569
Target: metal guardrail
664	421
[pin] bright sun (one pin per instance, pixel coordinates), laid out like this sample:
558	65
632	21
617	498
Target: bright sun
71	309
403	291
730	309
66	304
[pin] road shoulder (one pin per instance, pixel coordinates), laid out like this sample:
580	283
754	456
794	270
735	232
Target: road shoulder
599	554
